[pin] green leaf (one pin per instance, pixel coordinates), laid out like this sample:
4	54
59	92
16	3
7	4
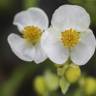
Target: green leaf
64	85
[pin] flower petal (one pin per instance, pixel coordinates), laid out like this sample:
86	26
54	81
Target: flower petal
70	16
32	16
85	49
20	48
39	17
53	47
22	19
40	55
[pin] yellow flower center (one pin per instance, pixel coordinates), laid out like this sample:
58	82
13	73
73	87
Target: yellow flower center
70	38
32	34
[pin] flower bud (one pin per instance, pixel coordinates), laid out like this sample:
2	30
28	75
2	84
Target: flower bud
72	73
52	81
90	86
40	85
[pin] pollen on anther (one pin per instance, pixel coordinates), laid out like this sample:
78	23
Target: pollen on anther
70	38
32	34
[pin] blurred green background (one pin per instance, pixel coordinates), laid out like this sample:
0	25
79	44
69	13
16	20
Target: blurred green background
16	76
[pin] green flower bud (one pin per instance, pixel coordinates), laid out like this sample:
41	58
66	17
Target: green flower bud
40	85
52	81
72	73
90	86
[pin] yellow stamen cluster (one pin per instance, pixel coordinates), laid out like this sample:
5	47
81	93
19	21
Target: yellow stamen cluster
70	38
32	34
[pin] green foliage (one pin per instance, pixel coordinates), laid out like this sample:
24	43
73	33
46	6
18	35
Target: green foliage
78	92
11	86
29	3
64	85
4	4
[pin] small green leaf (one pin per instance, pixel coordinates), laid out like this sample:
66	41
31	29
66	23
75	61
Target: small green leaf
64	85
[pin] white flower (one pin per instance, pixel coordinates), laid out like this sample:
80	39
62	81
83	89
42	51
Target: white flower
31	23
69	36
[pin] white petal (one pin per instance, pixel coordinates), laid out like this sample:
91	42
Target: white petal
40	55
20	48
85	49
32	16
22	19
53	47
39	17
71	16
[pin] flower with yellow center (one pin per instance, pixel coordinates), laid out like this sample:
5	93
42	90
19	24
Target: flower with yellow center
69	36
32	24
